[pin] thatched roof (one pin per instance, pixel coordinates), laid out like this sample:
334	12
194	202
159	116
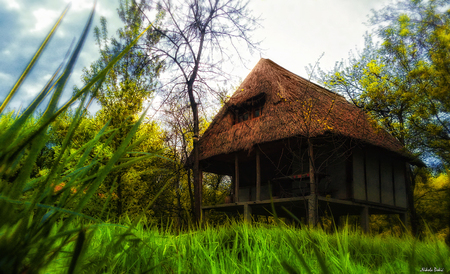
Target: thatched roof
293	106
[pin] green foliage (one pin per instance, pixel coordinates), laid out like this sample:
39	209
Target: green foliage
404	82
132	80
140	178
126	87
31	204
432	202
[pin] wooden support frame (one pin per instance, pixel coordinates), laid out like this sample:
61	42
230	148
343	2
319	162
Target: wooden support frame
365	219
258	175
236	180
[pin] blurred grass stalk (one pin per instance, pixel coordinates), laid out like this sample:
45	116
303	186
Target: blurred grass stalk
30	208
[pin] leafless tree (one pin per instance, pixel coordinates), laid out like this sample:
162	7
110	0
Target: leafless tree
197	38
178	125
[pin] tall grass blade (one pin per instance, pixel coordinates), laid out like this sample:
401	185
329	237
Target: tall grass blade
33	61
77	251
288	268
13	131
411	259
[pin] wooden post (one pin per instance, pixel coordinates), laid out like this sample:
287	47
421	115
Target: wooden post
312	201
247	213
258	176
236	180
200	191
365	219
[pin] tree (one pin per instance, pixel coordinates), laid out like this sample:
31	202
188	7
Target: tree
177	139
403	83
131	81
192	43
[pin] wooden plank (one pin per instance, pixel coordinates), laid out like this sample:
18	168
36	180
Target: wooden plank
387	195
399	183
258	175
373	178
236	175
244	194
359	188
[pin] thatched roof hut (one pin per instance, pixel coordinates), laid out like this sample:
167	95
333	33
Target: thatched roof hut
290	106
348	163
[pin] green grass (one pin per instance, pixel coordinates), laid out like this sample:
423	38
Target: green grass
240	248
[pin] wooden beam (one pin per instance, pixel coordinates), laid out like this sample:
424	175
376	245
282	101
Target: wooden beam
236	180
365	219
258	175
247	213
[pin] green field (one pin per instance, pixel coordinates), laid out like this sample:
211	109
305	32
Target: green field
240	248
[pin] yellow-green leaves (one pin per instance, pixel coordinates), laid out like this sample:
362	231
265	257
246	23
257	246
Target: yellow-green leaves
404	24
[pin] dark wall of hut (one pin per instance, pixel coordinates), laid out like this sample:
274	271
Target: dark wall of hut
379	177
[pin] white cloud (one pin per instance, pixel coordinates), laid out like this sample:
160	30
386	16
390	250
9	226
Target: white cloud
5	78
6	52
80	5
12	4
44	19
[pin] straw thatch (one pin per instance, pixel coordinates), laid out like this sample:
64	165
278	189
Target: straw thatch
293	106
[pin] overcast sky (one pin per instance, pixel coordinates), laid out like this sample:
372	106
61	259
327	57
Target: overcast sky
295	33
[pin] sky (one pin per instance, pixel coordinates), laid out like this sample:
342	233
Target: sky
294	34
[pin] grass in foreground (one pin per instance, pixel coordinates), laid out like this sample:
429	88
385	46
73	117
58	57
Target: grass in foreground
240	248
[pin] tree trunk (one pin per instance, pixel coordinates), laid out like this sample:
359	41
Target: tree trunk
196	167
179	206
410	184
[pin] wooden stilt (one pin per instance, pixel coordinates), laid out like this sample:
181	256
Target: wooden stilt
200	191
247	213
312	210
365	219
236	180
312	201
258	176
